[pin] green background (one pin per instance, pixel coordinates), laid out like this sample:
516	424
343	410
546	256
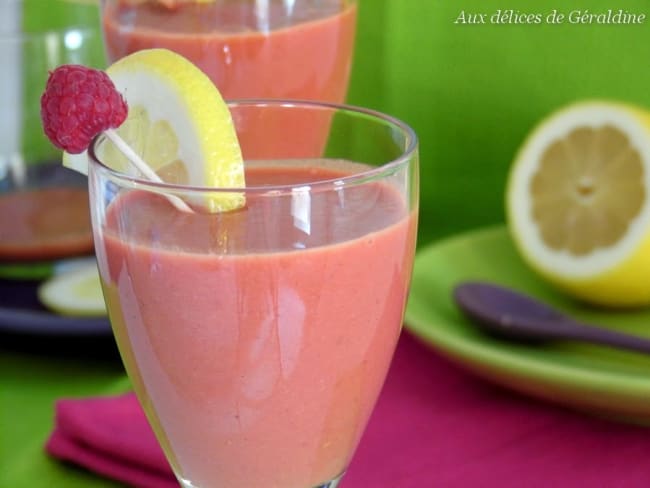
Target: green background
46	22
472	93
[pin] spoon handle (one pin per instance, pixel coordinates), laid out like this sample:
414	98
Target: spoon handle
599	335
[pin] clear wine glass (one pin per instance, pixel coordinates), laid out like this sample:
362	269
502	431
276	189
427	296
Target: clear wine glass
298	49
258	340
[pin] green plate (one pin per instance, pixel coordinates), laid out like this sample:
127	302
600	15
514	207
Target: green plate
596	379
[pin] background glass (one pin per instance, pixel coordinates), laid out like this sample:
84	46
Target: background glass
300	49
258	340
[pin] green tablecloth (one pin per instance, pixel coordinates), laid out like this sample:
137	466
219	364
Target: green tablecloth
34	372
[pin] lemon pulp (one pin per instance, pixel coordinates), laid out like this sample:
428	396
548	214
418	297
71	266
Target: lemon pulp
577	190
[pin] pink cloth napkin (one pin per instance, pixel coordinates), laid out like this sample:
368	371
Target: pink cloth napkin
434	425
111	436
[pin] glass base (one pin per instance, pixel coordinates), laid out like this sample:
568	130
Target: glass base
333	483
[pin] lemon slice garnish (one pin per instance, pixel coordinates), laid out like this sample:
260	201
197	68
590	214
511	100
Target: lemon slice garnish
75	292
178	123
578	202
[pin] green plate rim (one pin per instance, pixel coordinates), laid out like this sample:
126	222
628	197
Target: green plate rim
507	357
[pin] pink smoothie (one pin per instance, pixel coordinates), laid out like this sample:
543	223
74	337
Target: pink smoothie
258	350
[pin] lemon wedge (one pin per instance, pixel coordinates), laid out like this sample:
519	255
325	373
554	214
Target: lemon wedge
578	202
74	292
178	123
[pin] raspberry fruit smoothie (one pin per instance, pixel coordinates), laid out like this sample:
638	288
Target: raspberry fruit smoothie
257	304
248	50
262	347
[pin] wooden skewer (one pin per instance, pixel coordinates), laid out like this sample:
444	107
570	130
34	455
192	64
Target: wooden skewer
143	167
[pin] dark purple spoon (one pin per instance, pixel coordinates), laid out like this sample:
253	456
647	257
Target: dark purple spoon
513	315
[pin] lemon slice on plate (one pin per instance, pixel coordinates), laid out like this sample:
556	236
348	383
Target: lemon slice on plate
178	123
74	292
578	202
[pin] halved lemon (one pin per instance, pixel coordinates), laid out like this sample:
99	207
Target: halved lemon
74	292
578	202
178	123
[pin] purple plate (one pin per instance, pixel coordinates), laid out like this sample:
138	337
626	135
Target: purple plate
22	312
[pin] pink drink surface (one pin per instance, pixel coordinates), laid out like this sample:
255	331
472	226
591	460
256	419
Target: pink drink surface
246	55
258	362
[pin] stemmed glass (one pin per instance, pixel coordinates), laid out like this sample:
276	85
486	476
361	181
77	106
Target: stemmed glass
258	340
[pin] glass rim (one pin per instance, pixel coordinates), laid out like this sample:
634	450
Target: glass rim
372	174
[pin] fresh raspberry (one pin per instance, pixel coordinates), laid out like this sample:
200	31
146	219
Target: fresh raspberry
79	103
